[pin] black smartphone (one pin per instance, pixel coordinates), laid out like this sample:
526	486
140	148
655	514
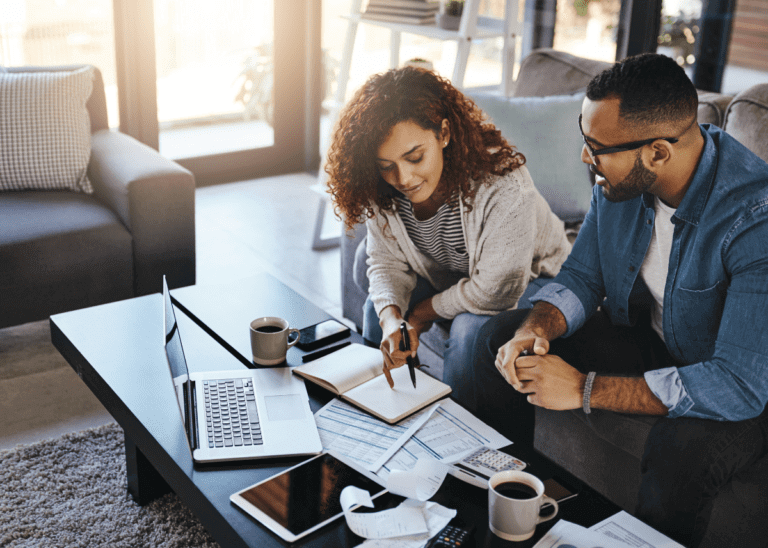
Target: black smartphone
558	490
321	334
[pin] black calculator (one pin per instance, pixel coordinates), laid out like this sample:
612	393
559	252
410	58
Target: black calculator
453	536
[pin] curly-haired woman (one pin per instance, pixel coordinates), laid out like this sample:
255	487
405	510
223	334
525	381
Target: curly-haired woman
456	228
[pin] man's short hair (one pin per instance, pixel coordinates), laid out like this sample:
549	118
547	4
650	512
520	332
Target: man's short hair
652	88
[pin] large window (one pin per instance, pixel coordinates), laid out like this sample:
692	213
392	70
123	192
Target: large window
587	29
679	30
219	86
61	32
747	63
215	76
723	44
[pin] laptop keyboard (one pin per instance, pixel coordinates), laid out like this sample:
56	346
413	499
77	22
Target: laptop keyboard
230	412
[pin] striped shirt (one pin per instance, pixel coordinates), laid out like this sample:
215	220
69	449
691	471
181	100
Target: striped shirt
440	237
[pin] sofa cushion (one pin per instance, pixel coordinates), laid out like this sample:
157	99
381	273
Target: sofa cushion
549	72
712	107
603	450
747	118
60	251
736	508
546	131
45	130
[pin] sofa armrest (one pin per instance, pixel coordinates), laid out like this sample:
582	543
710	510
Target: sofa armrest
352	296
155	198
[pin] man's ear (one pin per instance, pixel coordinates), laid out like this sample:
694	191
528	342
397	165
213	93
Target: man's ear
661	153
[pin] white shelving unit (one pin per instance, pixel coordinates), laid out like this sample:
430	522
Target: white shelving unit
472	27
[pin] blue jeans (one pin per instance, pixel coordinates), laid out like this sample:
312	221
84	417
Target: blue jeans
462	338
686	460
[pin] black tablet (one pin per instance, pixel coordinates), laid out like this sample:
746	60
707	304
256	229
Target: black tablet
302	499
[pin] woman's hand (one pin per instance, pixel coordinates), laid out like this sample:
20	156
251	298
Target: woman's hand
422	316
390	320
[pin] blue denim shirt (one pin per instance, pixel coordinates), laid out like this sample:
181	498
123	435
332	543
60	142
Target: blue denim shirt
715	316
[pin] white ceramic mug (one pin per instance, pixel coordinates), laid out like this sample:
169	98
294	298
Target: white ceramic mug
269	340
516	518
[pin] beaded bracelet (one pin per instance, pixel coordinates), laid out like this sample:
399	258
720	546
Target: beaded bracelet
588	392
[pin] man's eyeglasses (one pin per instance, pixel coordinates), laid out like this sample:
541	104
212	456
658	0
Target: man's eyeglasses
621	148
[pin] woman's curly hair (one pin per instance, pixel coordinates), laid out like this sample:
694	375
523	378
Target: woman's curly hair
476	149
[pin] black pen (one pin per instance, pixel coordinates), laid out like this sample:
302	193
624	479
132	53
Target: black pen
323	352
406	345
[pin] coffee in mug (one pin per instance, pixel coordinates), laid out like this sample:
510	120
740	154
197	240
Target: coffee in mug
269	329
515	499
516	490
270	340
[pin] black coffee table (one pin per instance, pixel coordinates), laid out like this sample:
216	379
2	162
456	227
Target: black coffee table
117	350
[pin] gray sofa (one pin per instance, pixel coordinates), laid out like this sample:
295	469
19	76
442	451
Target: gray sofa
605	450
63	250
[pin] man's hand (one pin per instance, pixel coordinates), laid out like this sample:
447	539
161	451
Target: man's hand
507	356
544	323
550	382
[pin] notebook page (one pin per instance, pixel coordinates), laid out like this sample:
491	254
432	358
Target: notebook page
377	397
346	368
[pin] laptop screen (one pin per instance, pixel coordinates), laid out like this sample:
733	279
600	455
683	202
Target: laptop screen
177	365
173	348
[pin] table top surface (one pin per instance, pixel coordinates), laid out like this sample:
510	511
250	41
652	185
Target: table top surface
226	311
117	349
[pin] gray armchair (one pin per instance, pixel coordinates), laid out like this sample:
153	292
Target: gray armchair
63	250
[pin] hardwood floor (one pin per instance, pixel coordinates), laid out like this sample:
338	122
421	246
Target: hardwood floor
267	225
261	225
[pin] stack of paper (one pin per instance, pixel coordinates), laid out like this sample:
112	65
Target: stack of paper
413	12
444	432
618	531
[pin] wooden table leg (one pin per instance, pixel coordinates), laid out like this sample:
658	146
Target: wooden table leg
145	484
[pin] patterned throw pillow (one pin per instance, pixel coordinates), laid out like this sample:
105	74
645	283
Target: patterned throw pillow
45	130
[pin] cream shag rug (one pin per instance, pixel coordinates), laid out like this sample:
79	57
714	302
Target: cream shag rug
71	492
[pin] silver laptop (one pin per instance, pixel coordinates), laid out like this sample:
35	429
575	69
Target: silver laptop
239	414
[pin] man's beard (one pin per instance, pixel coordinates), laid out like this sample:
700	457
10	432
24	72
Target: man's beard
638	181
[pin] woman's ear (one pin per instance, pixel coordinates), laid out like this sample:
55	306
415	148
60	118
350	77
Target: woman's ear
445	133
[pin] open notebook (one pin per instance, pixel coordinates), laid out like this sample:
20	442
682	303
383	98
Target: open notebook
355	374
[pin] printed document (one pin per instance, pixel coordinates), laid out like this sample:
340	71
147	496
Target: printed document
618	531
633	532
365	439
447	436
